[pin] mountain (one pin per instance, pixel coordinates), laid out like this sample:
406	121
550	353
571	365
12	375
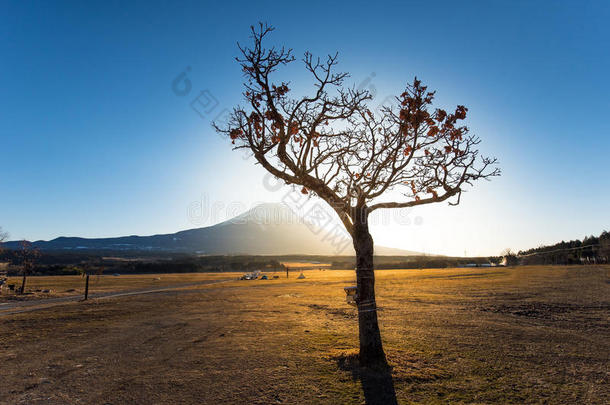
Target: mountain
267	229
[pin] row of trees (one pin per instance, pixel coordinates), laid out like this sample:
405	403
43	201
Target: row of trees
418	262
592	249
75	263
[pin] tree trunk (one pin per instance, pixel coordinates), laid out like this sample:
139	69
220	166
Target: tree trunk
23	285
371	348
87	287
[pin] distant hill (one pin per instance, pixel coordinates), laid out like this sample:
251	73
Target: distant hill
267	229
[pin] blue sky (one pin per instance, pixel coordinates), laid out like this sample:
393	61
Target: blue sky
94	142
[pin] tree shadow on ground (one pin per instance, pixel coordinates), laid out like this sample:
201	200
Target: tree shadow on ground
377	384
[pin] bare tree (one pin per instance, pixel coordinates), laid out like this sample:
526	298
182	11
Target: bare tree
28	254
332	145
3	272
510	258
87	270
3	237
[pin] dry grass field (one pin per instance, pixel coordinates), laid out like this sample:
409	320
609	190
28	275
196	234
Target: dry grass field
62	286
459	336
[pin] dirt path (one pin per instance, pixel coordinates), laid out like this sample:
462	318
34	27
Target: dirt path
16	307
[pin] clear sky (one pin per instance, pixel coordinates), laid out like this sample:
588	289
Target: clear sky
95	142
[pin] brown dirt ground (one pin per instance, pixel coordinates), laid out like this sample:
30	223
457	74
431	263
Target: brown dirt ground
465	336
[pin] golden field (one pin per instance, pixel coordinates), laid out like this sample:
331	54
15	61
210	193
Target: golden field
466	336
62	286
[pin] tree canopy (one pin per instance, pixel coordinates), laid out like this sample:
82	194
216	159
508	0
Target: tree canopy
331	144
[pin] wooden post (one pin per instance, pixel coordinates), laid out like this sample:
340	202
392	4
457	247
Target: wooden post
286	271
87	287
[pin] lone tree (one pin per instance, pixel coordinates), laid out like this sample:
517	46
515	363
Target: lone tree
333	146
87	270
27	255
3	237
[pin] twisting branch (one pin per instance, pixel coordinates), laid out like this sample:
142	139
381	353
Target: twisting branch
332	145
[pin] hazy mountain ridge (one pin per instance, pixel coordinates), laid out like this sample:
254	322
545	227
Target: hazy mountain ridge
267	229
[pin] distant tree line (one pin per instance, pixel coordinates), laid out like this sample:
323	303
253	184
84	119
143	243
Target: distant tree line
417	262
68	263
204	264
592	249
